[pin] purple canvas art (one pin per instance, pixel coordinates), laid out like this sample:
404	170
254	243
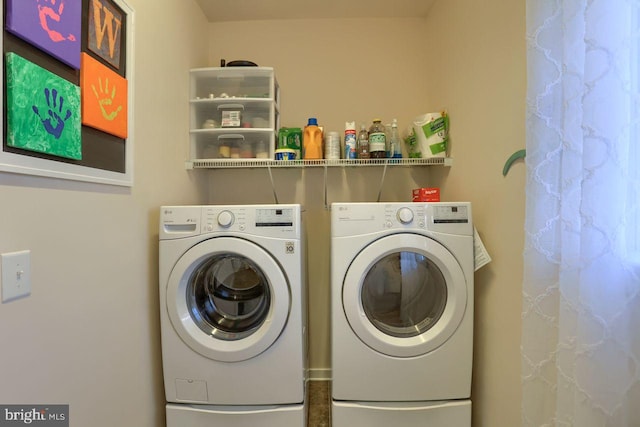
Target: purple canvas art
53	26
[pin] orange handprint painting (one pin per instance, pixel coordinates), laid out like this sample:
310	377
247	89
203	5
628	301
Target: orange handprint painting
104	97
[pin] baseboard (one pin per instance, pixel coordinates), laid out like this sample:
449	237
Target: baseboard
319	374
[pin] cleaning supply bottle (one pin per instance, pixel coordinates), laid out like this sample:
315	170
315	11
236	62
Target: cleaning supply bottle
312	140
363	143
350	137
377	140
394	149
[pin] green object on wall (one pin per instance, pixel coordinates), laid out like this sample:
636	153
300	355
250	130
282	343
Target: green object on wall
520	154
43	110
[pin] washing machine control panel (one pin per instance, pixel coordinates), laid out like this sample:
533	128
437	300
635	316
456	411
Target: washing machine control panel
259	220
280	220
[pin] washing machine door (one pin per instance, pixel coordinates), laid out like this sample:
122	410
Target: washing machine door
228	299
404	295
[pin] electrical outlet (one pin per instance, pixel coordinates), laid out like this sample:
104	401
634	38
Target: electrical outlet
16	275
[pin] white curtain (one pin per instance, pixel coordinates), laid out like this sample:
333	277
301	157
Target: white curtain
581	288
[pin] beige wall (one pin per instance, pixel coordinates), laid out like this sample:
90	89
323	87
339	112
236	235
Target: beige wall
467	58
88	334
481	79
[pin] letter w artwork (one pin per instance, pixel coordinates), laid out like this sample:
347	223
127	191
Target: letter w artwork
105	31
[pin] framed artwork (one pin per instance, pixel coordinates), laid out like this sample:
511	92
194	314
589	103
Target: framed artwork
43	110
53	26
105	31
104	97
44	132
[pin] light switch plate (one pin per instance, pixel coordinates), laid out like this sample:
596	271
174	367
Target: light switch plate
16	275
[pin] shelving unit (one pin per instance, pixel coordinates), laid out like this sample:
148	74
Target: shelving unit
253	94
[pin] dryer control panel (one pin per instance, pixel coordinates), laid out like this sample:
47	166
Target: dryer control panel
359	218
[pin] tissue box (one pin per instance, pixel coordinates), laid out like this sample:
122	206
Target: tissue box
426	195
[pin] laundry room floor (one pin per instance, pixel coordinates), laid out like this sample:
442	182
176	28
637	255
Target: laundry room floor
319	404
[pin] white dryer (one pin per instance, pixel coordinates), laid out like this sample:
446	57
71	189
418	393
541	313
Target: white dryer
402	314
232	311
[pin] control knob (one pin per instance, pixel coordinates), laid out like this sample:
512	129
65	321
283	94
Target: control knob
404	215
225	219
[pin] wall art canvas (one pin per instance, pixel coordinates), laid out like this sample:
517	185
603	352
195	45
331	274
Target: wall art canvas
104	97
105	31
53	26
43	110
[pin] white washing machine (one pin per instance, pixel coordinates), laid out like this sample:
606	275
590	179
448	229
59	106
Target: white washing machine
402	314
233	315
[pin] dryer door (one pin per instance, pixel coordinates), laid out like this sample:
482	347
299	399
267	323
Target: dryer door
404	295
228	299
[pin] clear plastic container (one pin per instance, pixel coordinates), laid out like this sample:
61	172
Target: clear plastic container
332	146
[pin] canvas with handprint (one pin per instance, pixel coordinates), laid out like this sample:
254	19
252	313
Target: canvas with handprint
104	97
53	26
43	110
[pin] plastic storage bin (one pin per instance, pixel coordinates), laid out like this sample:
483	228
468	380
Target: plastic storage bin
234	113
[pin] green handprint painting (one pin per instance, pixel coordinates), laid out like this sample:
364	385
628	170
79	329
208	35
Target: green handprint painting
43	110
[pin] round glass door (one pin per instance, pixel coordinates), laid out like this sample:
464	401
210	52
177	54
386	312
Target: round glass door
228	299
404	295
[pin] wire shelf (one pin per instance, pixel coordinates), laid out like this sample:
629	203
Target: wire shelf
268	163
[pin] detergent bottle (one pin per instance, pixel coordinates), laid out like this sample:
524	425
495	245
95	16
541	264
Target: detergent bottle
312	140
